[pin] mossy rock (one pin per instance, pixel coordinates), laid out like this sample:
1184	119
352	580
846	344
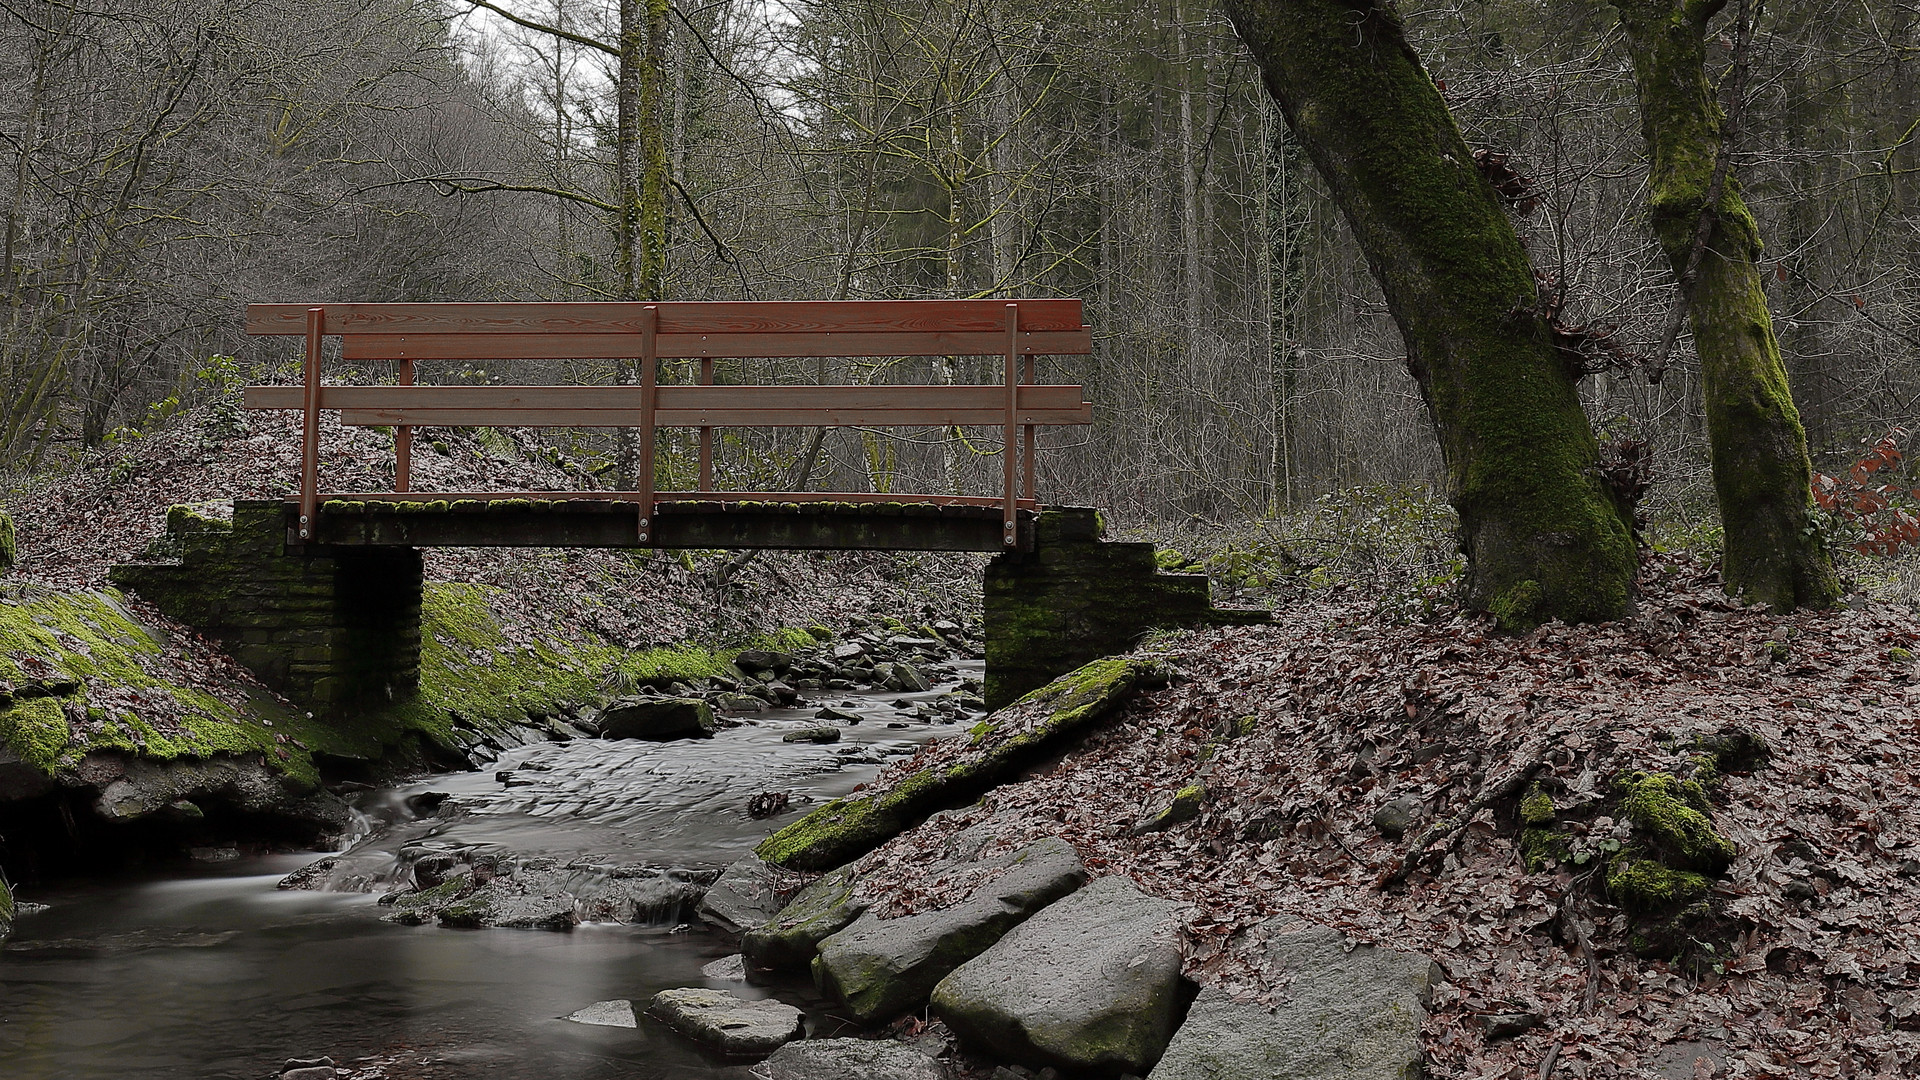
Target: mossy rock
847	828
821	910
1669	817
1540	845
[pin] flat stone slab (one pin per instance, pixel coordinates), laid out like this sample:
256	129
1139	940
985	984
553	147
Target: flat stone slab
822	909
615	1013
879	968
1092	982
727	1023
746	895
851	1059
1349	1015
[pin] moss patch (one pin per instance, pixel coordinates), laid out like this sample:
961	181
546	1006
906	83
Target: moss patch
1669	817
85	676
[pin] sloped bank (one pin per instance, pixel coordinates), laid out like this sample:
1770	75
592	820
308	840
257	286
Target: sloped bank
1701	812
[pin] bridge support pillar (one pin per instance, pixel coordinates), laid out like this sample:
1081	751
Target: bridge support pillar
1076	598
334	629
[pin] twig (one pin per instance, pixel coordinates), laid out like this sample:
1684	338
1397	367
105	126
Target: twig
1552	1056
1451	828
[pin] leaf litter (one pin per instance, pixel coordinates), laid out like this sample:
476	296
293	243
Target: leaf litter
1302	730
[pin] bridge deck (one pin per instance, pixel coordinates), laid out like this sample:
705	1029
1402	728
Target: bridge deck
454	521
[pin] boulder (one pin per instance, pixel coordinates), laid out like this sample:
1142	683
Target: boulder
725	1022
879	968
835	712
851	1059
500	903
813	735
655	718
1351	1014
764	660
1092	982
616	1013
822	909
731	968
747	894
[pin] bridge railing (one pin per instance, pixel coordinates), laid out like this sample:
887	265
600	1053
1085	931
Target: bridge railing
1018	330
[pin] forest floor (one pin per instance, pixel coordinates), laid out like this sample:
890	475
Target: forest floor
1799	958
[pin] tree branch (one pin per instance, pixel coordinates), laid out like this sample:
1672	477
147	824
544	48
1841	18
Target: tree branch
564	35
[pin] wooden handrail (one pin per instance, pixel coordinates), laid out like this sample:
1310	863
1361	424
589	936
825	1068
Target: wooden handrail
406	333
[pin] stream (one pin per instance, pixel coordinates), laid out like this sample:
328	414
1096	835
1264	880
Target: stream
212	971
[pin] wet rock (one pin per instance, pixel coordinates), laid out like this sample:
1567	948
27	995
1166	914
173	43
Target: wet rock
747	894
425	803
1091	982
880	968
656	718
500	904
615	1013
813	735
1349	1014
764	660
19	780
433	868
317	1072
141	788
851	1059
824	908
782	693
728	1023
834	712
726	969
1395	818
314	875
739	703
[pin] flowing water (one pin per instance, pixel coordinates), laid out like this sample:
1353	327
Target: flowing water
216	973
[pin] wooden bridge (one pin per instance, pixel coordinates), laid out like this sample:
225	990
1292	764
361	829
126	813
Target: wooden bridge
1019	331
321	594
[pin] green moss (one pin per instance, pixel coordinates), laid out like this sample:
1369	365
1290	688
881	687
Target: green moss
1518	606
9	543
99	652
1537	808
36	730
1245	726
1670	816
185	518
1644	885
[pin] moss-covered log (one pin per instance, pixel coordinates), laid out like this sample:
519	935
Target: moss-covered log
1757	446
1543	536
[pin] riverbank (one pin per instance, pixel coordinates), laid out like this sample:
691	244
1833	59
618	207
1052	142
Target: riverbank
1682	844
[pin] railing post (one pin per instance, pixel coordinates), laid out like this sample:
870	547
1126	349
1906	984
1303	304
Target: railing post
1011	447
403	438
706	433
649	384
310	426
1027	488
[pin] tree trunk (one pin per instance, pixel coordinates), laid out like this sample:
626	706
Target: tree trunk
1544	538
1774	554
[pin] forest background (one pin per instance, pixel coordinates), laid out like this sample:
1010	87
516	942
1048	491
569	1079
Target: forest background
166	163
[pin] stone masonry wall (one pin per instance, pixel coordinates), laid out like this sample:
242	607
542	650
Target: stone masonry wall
1076	598
332	628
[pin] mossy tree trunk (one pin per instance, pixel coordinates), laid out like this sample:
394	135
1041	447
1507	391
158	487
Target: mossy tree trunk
1756	444
1543	536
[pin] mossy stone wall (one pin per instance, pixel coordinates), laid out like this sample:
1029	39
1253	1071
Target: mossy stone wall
335	629
1076	598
